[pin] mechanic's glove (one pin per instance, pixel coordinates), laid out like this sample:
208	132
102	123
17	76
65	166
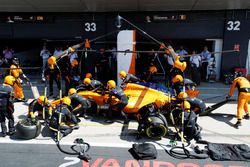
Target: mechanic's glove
33	120
107	100
123	85
21	81
103	92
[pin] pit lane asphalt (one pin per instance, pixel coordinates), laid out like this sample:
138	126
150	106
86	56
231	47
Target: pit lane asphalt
109	142
37	155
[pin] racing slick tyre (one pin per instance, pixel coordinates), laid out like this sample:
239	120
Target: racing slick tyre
157	126
26	129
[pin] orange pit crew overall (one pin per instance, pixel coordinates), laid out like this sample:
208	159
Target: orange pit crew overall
243	86
15	71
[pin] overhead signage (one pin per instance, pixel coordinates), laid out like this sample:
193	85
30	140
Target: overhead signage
19	18
169	17
233	25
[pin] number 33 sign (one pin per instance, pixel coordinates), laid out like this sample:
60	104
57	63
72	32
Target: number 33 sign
90	26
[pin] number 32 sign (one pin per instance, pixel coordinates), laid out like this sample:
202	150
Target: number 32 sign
233	25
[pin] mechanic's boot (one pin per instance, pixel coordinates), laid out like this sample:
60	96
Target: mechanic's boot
76	127
246	116
124	115
237	124
4	129
109	117
84	115
4	134
10	133
109	121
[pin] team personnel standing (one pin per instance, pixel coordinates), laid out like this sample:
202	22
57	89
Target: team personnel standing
37	105
195	61
243	86
7	105
205	59
17	72
45	53
75	77
66	73
8	54
57	51
117	92
177	83
52	73
73	56
102	67
78	103
182	52
151	72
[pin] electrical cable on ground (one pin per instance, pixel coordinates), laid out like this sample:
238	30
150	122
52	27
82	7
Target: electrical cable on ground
83	146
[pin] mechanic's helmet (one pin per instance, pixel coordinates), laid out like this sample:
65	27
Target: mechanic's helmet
52	62
177	78
152	69
111	84
71	91
9	80
159	102
66	100
42	99
122	74
88	75
74	63
87	81
182	95
15	61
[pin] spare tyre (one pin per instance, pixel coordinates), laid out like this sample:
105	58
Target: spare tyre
26	129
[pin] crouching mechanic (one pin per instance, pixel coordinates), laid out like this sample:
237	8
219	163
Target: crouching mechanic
191	128
118	93
78	103
151	121
89	84
128	78
62	120
6	105
39	106
177	83
243	86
